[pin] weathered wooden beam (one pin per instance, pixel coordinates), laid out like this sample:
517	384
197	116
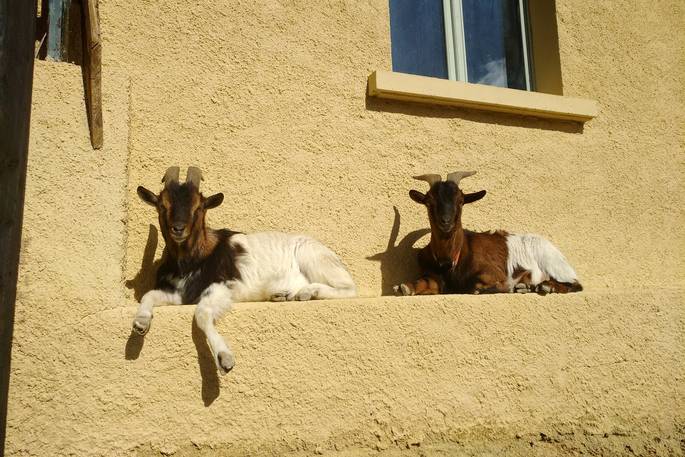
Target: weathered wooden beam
17	33
58	29
92	68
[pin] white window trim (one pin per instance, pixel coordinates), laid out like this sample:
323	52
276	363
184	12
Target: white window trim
523	19
455	41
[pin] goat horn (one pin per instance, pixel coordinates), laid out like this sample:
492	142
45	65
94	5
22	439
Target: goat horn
171	175
194	175
457	176
429	178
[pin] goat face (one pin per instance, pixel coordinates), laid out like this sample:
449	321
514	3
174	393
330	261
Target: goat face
444	202
181	208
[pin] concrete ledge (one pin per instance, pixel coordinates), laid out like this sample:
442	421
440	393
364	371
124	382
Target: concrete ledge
423	89
449	374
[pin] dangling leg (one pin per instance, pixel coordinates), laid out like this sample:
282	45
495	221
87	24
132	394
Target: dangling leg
214	301
157	297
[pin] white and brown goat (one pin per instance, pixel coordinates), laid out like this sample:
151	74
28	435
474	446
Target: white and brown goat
461	261
215	268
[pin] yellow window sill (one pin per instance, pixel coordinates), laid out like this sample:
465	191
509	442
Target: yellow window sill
423	89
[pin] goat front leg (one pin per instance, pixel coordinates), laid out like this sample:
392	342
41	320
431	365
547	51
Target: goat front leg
427	285
214	301
157	297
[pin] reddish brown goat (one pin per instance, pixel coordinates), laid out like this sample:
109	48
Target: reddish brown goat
461	261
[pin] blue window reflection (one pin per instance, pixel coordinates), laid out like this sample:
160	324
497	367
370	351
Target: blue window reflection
417	34
494	49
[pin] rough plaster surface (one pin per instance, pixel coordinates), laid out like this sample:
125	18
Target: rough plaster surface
269	99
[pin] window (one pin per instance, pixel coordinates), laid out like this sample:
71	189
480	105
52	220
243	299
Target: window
478	41
492	43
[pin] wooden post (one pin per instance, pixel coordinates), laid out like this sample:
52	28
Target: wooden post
17	33
92	65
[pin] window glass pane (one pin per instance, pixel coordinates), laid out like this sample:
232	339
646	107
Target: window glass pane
494	51
417	35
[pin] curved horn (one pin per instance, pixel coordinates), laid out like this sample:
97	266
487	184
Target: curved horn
429	178
170	176
194	175
457	176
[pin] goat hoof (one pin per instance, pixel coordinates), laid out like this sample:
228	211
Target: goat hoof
544	289
403	289
141	324
303	296
521	288
225	362
280	296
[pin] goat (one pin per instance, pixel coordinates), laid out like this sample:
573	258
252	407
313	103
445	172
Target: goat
215	268
460	261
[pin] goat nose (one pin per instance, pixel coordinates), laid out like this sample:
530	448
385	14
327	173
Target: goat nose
178	228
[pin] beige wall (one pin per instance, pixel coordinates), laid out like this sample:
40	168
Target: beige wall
269	100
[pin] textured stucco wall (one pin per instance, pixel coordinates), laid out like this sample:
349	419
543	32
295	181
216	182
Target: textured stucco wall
269	99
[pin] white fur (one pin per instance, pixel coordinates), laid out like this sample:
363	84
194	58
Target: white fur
294	265
539	256
275	266
141	323
214	301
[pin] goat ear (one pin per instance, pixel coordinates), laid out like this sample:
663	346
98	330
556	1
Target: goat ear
213	201
417	196
147	196
474	197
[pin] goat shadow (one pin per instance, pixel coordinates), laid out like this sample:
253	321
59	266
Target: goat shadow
208	371
142	283
399	263
144	280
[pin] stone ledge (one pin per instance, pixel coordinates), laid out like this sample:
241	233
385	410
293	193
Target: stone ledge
358	376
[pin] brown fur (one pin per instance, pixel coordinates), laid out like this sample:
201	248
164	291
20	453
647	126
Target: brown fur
481	265
464	261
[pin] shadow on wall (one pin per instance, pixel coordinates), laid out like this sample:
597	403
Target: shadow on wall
208	371
144	280
134	345
205	360
399	263
451	112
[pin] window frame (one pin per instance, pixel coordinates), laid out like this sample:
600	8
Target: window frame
455	42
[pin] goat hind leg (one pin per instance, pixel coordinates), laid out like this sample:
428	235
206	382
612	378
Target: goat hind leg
324	273
322	291
214	301
552	286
